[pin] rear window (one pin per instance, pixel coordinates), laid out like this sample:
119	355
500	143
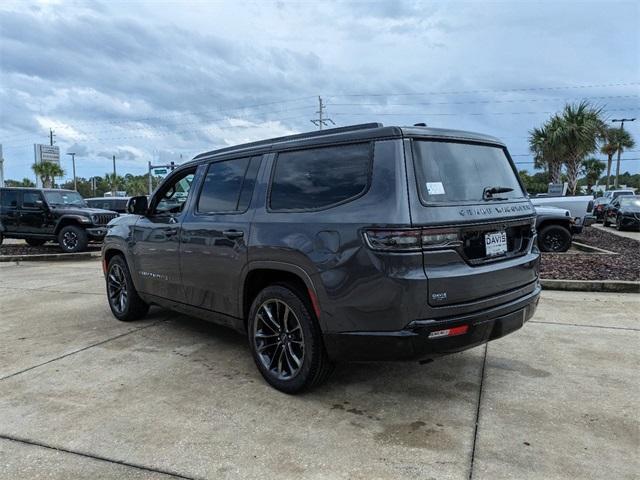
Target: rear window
9	198
450	172
320	177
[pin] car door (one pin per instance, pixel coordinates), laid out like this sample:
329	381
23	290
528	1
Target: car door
612	210
215	233
156	238
34	213
9	211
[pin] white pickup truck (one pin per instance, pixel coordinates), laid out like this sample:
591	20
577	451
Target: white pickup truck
580	208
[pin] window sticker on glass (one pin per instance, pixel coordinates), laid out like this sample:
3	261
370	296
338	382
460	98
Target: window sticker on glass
435	188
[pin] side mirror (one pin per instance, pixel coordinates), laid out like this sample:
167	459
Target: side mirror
138	205
40	204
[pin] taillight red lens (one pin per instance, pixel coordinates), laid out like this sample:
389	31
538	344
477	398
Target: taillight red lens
412	239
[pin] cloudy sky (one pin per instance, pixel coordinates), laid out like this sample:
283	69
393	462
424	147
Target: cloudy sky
162	80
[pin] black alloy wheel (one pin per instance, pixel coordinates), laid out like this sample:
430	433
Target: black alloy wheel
554	238
124	301
278	339
286	340
72	239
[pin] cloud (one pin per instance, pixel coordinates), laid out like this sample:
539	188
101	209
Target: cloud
148	83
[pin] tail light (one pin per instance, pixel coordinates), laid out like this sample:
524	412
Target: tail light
414	239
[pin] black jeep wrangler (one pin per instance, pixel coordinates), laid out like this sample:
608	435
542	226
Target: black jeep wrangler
39	215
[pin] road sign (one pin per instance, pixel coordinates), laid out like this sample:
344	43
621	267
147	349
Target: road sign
160	171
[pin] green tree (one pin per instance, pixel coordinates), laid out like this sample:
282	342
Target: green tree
25	182
547	153
47	172
615	139
592	168
578	130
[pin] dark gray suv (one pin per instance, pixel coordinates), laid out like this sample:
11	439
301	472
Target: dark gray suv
356	243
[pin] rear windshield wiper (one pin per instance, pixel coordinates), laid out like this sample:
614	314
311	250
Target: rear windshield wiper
489	192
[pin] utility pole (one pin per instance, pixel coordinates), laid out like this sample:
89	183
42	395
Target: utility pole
113	183
321	121
51	135
149	178
73	162
621	121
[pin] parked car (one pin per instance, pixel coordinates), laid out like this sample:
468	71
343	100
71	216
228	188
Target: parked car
624	212
40	215
580	207
555	229
115	204
599	204
613	194
357	243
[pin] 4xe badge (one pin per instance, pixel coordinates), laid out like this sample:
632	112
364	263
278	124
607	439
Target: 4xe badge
439	297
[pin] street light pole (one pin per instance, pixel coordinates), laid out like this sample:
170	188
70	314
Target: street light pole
621	121
73	162
113	184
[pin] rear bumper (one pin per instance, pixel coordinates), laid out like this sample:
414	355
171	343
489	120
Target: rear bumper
413	342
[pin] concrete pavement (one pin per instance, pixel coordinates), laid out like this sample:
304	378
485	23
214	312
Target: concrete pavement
85	396
634	234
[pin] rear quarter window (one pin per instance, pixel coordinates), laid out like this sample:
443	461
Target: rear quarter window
319	178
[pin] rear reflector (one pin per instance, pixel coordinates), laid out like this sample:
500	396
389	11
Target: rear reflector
450	332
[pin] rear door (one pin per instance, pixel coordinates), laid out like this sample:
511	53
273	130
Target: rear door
9	210
213	248
478	221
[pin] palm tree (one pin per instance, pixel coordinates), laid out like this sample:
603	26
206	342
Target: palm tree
546	153
578	129
615	139
592	168
46	172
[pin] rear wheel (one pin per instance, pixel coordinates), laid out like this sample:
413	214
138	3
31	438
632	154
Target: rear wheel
124	301
35	242
286	341
554	238
72	239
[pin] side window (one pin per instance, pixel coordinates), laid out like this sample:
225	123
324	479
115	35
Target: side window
173	196
9	198
29	199
228	186
319	177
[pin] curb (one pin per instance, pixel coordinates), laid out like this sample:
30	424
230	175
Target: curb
50	257
619	286
590	249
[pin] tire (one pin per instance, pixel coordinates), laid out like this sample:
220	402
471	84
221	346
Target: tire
72	239
619	224
1	238
289	353
605	222
554	238
35	242
124	301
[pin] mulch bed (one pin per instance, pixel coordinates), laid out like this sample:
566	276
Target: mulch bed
21	248
589	266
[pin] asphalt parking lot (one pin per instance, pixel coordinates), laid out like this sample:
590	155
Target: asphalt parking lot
85	396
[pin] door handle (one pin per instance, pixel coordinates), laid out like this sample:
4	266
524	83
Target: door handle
171	231
233	233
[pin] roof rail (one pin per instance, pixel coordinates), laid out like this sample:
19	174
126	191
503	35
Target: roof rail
298	136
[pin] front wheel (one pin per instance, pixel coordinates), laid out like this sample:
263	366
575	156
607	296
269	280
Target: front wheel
605	221
554	238
286	341
124	301
618	223
72	239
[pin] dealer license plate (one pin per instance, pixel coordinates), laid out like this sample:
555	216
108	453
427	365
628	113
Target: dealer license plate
495	243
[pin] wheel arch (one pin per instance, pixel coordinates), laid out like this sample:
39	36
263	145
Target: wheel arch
67	220
262	274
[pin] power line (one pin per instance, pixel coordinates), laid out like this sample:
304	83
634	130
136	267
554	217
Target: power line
321	121
461	92
451	114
